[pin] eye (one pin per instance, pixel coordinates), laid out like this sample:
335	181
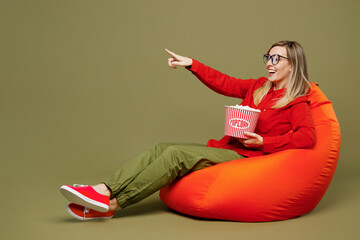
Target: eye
275	58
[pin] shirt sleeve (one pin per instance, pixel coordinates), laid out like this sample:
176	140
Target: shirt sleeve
302	134
219	82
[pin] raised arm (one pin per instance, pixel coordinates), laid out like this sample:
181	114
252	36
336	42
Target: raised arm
215	80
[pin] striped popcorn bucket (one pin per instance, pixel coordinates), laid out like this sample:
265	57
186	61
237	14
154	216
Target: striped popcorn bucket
238	121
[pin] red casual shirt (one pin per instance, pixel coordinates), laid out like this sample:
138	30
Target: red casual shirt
287	127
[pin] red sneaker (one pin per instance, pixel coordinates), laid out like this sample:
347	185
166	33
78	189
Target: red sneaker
86	196
85	214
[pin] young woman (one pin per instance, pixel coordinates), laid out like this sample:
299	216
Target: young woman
285	122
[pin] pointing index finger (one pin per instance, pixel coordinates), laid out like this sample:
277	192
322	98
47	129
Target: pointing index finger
170	52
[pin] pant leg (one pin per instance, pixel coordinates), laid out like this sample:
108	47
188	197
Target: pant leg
126	174
174	162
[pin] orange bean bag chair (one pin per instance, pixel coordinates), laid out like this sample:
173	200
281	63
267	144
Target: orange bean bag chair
272	187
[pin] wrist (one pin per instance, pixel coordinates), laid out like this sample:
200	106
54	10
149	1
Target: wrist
189	62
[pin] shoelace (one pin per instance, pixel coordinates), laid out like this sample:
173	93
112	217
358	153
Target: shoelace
86	210
80	185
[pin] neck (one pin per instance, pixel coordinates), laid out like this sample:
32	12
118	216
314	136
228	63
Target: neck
278	85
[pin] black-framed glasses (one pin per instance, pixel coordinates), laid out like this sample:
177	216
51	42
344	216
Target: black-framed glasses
273	58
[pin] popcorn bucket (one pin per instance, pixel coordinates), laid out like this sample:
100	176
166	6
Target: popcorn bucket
240	119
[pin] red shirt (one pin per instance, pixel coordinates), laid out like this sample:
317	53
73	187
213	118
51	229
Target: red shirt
287	127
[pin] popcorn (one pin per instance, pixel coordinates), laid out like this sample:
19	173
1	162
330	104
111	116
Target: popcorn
244	107
240	119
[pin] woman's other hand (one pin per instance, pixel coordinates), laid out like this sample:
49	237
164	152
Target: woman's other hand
254	141
177	60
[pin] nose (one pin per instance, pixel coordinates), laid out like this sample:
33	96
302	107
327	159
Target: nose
268	63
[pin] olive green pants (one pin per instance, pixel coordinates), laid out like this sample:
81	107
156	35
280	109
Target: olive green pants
160	165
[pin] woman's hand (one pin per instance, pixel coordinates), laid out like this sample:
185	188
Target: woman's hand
254	141
177	60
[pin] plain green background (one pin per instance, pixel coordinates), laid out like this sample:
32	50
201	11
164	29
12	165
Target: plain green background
85	86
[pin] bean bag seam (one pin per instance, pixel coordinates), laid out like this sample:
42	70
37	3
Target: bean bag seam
202	204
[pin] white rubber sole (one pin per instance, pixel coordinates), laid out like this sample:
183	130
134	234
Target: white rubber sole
77	198
84	218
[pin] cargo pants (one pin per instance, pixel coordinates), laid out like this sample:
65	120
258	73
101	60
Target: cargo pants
160	165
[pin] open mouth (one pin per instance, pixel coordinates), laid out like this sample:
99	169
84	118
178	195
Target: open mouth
271	72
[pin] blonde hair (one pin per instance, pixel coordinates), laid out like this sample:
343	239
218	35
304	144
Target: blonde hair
298	83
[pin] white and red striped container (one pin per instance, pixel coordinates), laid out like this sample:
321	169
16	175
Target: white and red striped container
240	119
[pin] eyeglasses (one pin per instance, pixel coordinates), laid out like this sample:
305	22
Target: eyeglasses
274	58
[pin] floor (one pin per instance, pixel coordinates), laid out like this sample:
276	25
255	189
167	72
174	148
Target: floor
336	217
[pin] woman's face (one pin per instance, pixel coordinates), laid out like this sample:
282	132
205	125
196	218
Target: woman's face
280	72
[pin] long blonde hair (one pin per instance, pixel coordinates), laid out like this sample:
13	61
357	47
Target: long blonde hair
298	83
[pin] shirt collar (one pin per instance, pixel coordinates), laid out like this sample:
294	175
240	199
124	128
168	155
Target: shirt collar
281	90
